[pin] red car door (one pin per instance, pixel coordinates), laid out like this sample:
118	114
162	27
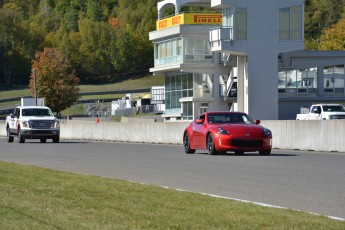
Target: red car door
198	132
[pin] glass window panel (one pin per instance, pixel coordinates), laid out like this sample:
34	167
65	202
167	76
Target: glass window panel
291	85
282	82
296	23
173	100
184	81
189	45
339	79
190	81
167	83
178	96
179	46
241	24
168	47
178	82
173	83
174	47
190	93
328	79
184	93
167	100
284	23
158	47
207	47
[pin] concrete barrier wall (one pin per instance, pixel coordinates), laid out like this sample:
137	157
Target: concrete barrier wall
326	135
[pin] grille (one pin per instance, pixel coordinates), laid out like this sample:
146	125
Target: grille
41	124
338	117
246	143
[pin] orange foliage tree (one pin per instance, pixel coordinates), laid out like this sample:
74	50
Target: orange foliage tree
56	81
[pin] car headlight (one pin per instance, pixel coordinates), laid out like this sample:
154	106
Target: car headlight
56	124
223	131
266	133
26	124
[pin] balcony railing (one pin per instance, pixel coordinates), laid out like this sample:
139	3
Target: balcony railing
187	58
221	33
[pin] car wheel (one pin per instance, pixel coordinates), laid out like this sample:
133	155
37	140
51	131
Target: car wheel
20	137
43	140
239	152
210	145
265	153
9	137
56	139
186	144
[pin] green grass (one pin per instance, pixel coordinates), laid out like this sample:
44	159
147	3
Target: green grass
38	198
139	83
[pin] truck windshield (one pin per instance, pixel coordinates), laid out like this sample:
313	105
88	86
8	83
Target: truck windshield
36	112
333	108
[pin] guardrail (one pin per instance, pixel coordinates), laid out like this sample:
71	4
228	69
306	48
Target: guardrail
326	135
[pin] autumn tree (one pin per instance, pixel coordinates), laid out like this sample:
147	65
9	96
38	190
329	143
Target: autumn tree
55	79
334	37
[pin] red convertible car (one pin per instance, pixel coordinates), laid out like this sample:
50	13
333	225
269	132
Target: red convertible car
218	132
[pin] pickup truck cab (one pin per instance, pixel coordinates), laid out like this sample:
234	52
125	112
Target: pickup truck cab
323	112
32	122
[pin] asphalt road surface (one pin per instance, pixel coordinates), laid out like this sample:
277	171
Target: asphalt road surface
308	181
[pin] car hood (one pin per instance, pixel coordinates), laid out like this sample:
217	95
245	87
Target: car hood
248	130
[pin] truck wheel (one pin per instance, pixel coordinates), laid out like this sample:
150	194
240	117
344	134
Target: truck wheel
20	138
9	137
56	139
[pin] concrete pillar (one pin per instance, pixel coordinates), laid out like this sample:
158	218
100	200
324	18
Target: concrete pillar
320	78
242	85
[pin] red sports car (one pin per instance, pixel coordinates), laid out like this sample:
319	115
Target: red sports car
218	132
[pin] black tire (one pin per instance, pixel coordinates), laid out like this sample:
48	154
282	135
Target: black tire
56	139
186	144
9	137
43	140
265	152
210	145
21	139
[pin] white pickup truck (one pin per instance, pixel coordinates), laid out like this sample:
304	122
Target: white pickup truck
323	112
32	122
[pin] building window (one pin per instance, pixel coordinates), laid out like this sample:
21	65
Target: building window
298	82
177	86
168	52
241	24
333	78
203	107
197	50
228	17
290	23
187	111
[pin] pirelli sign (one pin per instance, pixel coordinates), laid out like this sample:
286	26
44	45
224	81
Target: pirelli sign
190	18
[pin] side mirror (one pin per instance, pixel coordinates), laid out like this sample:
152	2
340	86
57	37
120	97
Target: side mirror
199	121
257	122
12	115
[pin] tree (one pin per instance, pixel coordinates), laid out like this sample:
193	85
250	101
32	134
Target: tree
55	80
334	37
320	15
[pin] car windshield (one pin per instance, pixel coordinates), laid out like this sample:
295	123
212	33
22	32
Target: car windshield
333	108
36	112
234	118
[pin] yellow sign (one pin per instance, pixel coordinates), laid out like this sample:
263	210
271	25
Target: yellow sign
190	18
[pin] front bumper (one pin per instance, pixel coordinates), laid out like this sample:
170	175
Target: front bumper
229	143
39	133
